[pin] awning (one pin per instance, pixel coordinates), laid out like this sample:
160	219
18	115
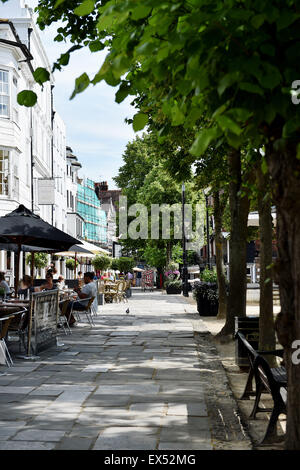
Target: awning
253	218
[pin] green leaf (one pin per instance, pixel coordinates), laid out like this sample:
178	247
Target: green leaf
227	81
81	83
226	123
86	7
27	98
58	2
96	46
271	76
251	88
291	127
139	121
177	116
141	11
298	152
41	75
122	93
264	166
257	21
202	141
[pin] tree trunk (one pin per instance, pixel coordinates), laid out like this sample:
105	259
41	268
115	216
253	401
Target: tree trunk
266	320
239	208
285	172
218	216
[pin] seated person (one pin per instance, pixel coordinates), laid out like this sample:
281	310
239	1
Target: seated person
26	286
4	285
60	283
88	290
48	285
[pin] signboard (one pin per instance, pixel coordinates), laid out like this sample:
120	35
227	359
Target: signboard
46	191
43	321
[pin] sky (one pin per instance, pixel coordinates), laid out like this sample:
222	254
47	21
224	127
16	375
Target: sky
95	123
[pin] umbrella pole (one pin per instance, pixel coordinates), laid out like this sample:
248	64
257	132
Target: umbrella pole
75	265
32	265
17	269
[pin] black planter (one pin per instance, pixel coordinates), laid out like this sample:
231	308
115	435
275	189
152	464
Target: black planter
173	290
206	308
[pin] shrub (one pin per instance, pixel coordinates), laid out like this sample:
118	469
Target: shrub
70	263
176	283
115	264
40	260
125	264
209	275
206	291
101	262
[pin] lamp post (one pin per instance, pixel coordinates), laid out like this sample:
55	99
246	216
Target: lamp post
206	192
185	287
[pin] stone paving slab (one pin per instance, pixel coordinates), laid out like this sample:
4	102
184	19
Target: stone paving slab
150	380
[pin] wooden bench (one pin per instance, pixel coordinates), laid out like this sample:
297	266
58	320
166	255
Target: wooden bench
267	380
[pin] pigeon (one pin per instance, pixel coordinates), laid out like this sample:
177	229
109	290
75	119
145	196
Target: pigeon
127	311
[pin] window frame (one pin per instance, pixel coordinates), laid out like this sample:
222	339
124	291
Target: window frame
8	183
8	94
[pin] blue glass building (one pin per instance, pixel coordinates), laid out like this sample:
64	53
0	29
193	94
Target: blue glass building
89	207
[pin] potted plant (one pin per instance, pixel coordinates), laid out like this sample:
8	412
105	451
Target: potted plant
173	287
205	291
173	284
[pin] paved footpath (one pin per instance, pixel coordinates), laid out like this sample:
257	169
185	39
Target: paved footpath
150	379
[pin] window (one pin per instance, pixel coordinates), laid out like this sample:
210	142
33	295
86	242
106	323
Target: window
4	96
4	169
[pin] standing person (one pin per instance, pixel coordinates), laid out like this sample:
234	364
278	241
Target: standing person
4	284
80	279
88	290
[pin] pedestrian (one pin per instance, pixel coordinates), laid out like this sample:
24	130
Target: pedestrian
88	290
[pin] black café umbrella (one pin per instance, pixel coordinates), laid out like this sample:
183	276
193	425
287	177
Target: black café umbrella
23	227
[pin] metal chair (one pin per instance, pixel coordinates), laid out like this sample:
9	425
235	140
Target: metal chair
63	321
87	310
5	320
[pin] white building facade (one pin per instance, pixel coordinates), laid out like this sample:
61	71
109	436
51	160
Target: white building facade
32	140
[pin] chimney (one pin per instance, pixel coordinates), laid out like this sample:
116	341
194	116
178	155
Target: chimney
103	186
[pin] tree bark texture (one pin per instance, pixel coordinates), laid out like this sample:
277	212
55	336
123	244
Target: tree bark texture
266	318
239	208
219	207
285	173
